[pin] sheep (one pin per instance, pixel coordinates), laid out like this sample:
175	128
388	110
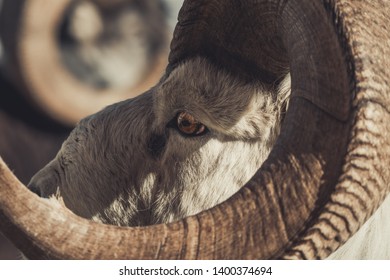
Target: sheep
193	151
322	180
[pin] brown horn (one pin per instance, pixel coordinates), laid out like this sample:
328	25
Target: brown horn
325	176
34	61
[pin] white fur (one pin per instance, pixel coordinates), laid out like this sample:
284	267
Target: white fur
127	166
108	171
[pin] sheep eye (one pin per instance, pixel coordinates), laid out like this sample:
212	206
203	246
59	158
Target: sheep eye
189	126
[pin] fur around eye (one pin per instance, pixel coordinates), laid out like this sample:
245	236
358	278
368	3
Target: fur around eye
187	125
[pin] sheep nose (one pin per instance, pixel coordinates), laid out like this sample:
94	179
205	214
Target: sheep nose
34	188
45	182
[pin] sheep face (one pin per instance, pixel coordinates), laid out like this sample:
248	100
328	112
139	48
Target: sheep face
178	149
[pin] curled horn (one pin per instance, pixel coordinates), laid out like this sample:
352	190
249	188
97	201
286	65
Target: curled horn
327	173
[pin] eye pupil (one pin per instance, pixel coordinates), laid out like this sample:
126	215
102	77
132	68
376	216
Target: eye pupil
188	125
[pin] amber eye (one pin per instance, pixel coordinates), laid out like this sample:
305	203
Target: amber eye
188	125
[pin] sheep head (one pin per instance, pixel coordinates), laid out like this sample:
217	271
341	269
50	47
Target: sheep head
183	147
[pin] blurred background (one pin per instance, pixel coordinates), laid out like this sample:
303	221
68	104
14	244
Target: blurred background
63	60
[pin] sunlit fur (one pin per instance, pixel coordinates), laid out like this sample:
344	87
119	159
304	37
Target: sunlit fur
127	166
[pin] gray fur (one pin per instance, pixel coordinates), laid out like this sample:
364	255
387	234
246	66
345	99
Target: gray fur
126	166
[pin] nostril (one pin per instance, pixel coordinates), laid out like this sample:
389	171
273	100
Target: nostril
32	187
46	181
